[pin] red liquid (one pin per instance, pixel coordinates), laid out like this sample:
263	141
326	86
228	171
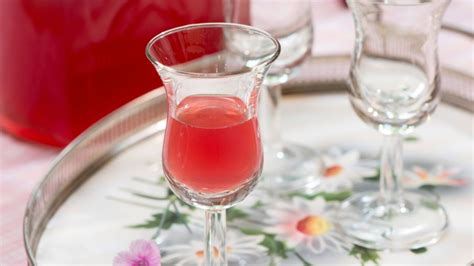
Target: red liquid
66	64
212	145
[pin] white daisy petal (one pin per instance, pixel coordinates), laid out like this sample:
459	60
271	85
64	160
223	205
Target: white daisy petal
327	160
335	244
362	171
249	252
317	205
175	247
316	245
312	236
291	240
249	240
171	257
350	158
277	229
189	261
279	214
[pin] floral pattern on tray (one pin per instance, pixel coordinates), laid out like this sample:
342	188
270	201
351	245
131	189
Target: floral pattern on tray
300	225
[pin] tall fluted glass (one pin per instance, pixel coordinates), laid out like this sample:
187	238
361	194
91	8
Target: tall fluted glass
394	82
212	155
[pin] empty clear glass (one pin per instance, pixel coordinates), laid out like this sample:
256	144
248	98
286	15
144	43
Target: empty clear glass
212	155
287	165
394	82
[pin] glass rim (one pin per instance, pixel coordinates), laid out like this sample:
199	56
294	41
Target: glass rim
165	33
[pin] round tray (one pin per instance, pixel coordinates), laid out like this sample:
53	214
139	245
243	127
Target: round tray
98	196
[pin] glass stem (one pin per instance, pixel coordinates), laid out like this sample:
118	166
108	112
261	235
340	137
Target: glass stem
215	238
270	117
391	169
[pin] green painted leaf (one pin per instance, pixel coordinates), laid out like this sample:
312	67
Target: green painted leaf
337	196
433	205
161	180
302	195
419	250
303	260
251	231
364	255
374	178
257	205
275	247
234	213
182	203
411	139
428	188
170	219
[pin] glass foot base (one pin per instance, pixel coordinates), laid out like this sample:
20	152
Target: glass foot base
416	221
292	167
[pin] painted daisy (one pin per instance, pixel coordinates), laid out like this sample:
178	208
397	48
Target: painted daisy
238	245
436	176
305	224
341	169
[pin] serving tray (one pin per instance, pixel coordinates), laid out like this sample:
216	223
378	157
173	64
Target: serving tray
105	190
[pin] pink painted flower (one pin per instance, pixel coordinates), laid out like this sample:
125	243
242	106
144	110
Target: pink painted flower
141	253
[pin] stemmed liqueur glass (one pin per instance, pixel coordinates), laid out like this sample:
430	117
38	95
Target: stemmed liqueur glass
212	154
288	166
394	82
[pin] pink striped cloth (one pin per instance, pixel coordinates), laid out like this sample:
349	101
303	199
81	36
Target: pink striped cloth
23	164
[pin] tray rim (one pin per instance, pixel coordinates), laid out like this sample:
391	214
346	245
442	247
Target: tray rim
341	83
31	246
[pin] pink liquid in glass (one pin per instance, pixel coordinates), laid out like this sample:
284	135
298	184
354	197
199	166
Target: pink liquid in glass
212	144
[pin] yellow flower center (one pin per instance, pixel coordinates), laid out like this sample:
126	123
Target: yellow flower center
215	252
200	253
313	225
423	175
333	170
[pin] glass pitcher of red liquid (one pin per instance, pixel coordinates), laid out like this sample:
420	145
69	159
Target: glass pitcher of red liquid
66	64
